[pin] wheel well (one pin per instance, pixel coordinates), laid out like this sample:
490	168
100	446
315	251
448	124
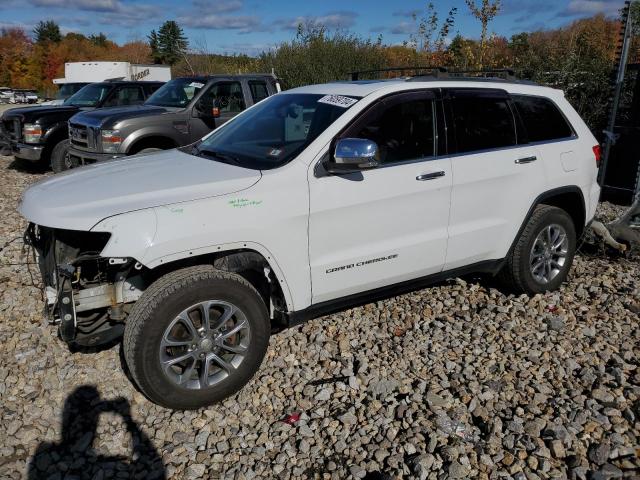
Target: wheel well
250	264
56	136
572	203
164	143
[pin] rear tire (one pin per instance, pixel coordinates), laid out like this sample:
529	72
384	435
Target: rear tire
168	323
542	256
60	160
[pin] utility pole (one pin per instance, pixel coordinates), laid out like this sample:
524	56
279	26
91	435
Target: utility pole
622	53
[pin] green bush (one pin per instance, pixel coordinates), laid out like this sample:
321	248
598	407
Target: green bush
316	56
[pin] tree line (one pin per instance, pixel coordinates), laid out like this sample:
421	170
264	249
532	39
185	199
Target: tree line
579	57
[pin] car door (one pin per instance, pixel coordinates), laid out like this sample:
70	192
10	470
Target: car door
389	224
495	180
225	96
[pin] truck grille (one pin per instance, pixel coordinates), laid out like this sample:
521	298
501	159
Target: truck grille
83	137
12	128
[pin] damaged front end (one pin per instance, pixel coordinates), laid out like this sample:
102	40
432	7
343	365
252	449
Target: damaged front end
87	295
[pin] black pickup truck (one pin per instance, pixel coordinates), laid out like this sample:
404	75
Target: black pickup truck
40	133
181	112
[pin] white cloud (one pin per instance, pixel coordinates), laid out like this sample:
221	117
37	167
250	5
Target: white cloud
591	7
87	5
404	28
332	20
219	6
220	22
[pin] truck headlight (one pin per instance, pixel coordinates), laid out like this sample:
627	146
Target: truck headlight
31	133
111	141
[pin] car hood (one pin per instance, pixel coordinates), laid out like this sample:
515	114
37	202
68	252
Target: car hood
80	198
31	114
106	117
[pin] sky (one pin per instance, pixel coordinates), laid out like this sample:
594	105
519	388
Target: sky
252	26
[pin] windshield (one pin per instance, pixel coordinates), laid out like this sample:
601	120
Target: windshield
176	93
89	96
274	131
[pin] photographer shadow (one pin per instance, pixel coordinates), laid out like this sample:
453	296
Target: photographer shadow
74	456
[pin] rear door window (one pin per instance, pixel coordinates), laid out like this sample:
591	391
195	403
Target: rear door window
542	119
482	120
258	90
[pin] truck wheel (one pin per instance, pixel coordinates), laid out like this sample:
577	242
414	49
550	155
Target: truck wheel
60	160
543	254
196	336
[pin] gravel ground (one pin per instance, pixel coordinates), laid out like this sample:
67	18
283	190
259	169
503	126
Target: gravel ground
455	381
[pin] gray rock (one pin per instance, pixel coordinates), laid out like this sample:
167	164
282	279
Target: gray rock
195	470
323	395
457	470
556	323
599	453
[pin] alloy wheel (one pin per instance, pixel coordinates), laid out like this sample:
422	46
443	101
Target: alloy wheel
549	253
204	344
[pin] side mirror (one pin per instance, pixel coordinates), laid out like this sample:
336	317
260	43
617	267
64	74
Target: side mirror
353	154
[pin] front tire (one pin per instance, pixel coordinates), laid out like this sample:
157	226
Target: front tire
195	337
60	160
543	253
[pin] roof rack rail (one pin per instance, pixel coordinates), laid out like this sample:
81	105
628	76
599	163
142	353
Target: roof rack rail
433	71
508	74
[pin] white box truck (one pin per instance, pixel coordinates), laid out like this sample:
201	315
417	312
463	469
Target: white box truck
79	74
89	72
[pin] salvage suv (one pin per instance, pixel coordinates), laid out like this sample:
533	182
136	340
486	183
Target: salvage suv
181	112
314	199
39	134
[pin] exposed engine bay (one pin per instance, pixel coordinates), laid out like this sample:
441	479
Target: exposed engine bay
87	295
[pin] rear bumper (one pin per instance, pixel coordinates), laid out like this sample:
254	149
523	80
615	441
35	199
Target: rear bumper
83	157
32	153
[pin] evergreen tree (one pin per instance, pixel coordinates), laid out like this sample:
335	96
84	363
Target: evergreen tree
47	31
169	44
154	46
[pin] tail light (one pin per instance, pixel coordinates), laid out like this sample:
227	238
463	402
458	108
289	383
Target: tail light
597	151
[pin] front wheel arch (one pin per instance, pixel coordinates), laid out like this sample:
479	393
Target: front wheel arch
156	141
248	263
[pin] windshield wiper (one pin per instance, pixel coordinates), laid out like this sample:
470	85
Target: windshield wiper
226	158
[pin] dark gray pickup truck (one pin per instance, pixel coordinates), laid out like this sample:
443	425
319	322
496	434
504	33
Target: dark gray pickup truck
181	112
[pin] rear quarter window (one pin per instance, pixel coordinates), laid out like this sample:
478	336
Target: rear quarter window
543	120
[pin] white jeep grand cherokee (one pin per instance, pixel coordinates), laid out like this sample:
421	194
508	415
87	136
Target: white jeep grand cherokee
314	199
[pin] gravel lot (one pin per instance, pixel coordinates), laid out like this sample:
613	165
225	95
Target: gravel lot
455	381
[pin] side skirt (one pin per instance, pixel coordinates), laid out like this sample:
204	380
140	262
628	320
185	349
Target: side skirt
331	306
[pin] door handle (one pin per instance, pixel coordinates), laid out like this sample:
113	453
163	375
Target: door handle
430	176
523	160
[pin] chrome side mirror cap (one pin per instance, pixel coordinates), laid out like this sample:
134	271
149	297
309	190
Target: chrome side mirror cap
352	154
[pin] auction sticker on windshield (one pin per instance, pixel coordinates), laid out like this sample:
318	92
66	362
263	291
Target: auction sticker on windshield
196	84
338	100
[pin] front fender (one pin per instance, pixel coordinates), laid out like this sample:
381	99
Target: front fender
59	129
147	132
122	243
